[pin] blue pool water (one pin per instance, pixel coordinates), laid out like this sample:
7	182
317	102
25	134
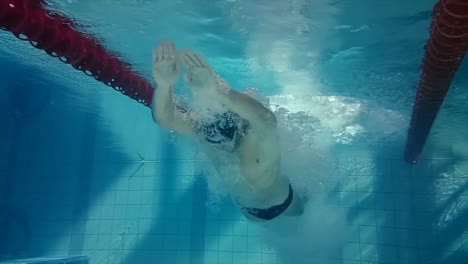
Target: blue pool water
85	171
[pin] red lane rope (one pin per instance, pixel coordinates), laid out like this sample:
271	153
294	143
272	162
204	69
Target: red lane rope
444	52
57	35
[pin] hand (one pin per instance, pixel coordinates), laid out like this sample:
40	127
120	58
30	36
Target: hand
200	76
166	66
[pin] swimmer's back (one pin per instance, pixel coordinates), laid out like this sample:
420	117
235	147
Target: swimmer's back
259	154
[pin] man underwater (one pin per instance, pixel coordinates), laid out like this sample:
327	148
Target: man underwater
238	129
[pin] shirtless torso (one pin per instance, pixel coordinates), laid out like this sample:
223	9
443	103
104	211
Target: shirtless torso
243	129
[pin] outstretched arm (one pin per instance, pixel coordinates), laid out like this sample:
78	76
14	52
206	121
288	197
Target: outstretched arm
166	71
248	107
202	77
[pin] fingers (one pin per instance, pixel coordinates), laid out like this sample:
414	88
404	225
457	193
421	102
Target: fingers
169	50
165	50
192	59
162	49
155	54
188	60
201	60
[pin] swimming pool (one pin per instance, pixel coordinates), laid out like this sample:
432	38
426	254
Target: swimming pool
86	172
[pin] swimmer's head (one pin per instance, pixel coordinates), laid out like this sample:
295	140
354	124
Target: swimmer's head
222	128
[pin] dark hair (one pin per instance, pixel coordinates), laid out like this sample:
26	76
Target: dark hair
222	129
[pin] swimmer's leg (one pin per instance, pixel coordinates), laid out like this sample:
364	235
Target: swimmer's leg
296	207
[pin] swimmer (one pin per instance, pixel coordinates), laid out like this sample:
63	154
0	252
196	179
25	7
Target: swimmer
239	127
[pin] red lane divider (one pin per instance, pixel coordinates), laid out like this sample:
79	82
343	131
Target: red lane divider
444	52
57	35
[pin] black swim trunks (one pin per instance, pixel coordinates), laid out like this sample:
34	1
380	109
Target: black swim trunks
272	212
